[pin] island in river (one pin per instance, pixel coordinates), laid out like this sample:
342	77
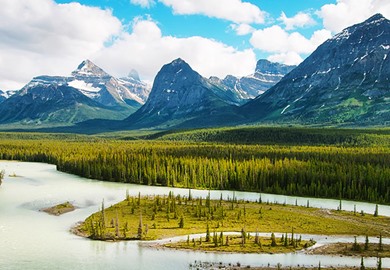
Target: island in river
159	217
59	209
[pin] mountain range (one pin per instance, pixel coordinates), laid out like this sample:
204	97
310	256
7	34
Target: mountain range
89	93
344	82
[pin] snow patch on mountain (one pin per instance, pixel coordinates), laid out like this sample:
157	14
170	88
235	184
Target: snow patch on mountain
82	85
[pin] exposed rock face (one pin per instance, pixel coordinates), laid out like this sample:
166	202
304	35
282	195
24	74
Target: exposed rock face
136	86
180	94
266	75
345	80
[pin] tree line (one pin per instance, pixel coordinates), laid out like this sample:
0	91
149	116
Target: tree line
356	173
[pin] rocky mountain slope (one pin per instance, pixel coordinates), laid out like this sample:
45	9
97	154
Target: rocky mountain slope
266	75
182	97
346	80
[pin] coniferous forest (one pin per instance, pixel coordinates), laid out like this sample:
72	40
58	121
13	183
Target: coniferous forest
339	170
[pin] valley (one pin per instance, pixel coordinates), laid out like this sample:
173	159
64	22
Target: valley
286	164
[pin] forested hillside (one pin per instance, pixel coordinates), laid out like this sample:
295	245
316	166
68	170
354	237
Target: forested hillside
348	172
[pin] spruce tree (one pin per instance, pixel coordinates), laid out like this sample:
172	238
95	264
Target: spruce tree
376	211
207	233
362	267
273	240
366	243
140	229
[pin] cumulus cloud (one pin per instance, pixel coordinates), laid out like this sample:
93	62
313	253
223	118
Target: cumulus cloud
301	19
345	13
231	10
287	47
242	29
143	3
42	37
288	58
146	50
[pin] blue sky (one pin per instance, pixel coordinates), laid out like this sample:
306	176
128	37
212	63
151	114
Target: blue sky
216	37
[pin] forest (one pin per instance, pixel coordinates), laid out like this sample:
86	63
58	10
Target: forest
356	166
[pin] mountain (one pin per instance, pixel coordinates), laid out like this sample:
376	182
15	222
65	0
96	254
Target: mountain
266	75
136	86
95	83
4	94
180	97
344	81
45	100
89	93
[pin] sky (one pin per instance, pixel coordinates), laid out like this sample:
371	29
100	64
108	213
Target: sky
216	37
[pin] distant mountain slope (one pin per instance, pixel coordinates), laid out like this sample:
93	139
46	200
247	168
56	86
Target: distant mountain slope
89	93
137	87
4	94
48	103
181	97
346	80
102	87
266	75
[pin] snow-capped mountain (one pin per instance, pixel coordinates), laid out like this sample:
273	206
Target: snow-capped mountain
89	93
102	87
136	86
266	75
182	97
345	80
4	94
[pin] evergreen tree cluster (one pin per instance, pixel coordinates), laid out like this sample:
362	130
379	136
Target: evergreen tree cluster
356	173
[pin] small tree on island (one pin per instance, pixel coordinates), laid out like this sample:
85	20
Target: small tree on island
273	240
366	243
362	267
376	213
140	229
2	173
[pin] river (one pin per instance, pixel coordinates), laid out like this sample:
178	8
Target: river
30	239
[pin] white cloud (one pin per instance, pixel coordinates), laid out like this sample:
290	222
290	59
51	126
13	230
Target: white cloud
242	29
345	13
231	10
301	19
42	37
289	58
146	50
287	47
143	3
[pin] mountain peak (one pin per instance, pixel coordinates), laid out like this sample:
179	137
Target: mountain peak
88	68
375	18
264	66
133	74
178	61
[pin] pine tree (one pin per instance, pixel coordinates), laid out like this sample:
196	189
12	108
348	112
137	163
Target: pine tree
366	243
140	227
362	267
103	219
181	222
376	211
207	233
273	240
379	264
356	246
2	173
